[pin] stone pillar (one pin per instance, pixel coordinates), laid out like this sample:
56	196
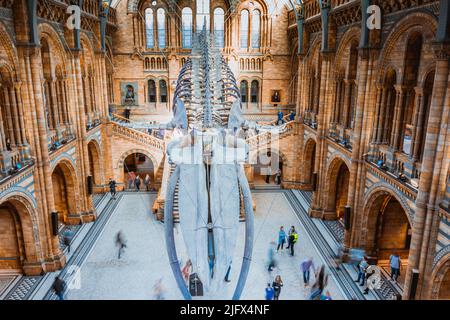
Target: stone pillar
377	130
15	114
9	116
418	125
347	101
398	118
88	213
44	161
429	186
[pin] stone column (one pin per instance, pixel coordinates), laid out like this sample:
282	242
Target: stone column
428	195
418	125
9	116
44	161
398	117
380	113
15	115
347	101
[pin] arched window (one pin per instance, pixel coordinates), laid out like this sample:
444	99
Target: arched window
163	91
256	23
254	91
149	28
151	91
244	29
244	89
161	20
202	14
219	27
186	21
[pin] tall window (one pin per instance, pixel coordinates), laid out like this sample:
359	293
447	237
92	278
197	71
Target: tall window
256	22
219	27
254	91
202	14
163	91
149	28
161	20
151	91
244	29
244	89
186	21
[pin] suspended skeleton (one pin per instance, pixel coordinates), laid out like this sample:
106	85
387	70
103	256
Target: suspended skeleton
209	173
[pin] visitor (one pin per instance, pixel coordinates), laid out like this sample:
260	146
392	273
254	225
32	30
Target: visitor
120	243
278	177
339	257
292	116
269	292
362	268
281	238
127	113
272	261
306	266
112	188
159	290
8	145
277	284
131	178
66	241
319	285
395	264
187	270
292	239
137	182
147	182
268	174
59	286
227	275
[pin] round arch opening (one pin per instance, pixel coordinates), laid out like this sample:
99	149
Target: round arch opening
388	232
139	165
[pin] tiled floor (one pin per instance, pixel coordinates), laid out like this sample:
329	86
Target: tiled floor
145	260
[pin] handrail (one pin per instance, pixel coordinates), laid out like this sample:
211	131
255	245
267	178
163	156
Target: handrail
265	138
139	136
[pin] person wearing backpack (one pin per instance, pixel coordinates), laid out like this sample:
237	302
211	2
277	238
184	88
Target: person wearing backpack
395	264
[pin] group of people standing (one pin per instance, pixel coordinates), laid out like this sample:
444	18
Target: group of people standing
272	291
134	182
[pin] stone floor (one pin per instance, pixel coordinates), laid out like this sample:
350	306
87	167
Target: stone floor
103	276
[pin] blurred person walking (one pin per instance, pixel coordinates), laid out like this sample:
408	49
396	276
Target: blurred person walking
59	286
137	182
319	285
120	243
395	263
362	268
112	188
147	183
306	266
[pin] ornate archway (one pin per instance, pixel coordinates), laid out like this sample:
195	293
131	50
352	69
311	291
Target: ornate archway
19	240
336	188
95	162
309	159
64	190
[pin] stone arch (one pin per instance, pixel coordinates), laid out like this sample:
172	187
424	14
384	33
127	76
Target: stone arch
440	278
95	161
309	155
349	36
338	173
65	190
23	225
8	52
122	158
427	21
57	49
377	199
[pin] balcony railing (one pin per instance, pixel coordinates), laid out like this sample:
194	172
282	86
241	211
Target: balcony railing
57	139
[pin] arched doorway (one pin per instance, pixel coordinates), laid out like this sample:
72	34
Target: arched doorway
444	289
141	165
17	241
94	163
268	162
309	162
63	191
388	231
338	181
